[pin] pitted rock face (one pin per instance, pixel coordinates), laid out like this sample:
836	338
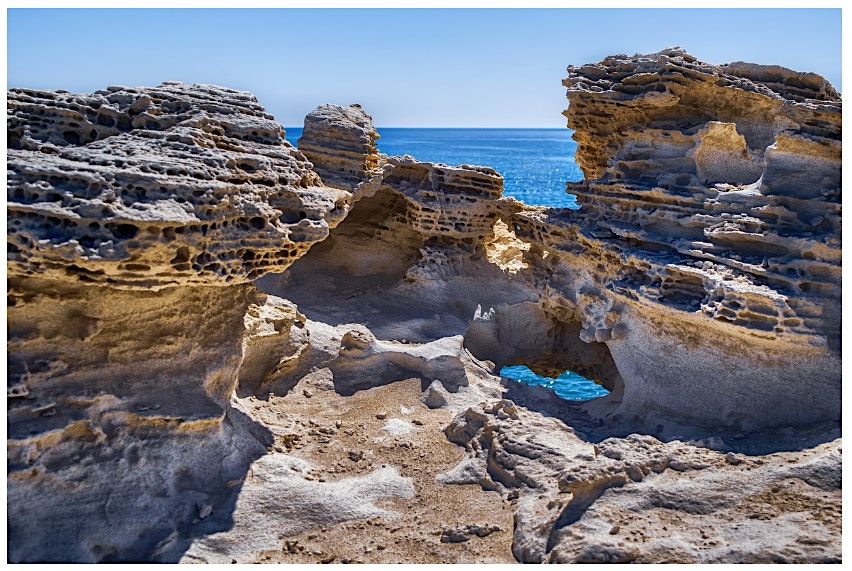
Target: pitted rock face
621	102
723	184
341	144
152	187
452	203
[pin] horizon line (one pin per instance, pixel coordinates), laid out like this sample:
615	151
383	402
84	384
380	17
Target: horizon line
478	128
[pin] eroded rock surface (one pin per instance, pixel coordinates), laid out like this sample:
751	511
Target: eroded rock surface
151	187
712	195
341	144
137	220
351	410
637	499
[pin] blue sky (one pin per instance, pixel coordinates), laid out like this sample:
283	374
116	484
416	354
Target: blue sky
408	68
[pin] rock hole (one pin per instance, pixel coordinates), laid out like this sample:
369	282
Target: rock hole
71	137
105	120
124	231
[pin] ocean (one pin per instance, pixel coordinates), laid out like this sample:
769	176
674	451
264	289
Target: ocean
535	163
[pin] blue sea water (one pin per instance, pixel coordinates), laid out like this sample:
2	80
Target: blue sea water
568	385
535	163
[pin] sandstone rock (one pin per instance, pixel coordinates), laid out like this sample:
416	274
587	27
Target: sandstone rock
462	534
200	188
709	176
674	502
436	395
279	501
341	144
699	283
679	249
275	338
137	220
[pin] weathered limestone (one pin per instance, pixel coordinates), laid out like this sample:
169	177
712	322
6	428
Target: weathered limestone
137	220
161	408
652	290
341	144
187	185
637	499
714	192
681	247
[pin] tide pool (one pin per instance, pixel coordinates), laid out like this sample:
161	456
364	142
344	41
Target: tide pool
568	385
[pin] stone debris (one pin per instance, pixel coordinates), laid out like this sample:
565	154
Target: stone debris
340	142
460	535
435	396
398	427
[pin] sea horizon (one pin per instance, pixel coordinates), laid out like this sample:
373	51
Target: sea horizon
536	163
466	128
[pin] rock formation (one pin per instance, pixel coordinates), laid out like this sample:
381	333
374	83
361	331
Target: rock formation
637	499
341	144
226	349
713	195
137	220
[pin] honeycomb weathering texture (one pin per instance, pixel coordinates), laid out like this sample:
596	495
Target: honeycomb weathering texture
341	144
152	187
137	220
623	97
721	184
450	203
708	232
166	405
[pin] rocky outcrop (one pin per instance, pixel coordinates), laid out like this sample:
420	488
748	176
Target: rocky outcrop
175	185
645	289
341	144
684	245
137	220
640	500
712	196
222	348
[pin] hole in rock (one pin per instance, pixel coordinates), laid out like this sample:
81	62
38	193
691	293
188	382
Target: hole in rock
123	231
340	277
71	137
568	386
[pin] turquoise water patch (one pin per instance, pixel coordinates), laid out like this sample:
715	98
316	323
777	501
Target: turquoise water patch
568	385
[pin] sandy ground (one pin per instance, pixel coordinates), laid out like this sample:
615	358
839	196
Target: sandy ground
351	436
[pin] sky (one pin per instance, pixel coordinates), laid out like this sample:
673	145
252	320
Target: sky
406	67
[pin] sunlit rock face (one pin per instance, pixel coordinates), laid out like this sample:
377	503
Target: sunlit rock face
715	193
153	187
697	282
341	144
137	220
158	400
